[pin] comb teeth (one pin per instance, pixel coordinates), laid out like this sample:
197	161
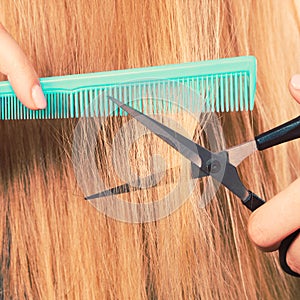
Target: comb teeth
208	86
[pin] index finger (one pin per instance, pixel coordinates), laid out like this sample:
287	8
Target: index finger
277	219
20	72
294	86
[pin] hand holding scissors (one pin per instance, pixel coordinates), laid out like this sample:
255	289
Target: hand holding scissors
221	166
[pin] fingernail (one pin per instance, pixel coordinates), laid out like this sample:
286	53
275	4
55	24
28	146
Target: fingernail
295	82
38	97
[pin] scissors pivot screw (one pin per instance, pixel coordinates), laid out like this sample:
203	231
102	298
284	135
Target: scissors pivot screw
213	166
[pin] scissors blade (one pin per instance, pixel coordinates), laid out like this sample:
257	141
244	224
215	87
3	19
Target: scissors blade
198	155
189	149
120	189
238	153
139	184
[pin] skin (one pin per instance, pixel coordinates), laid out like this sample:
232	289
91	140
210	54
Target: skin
19	70
263	231
267	234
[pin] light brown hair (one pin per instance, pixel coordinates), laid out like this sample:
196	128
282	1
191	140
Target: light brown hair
56	245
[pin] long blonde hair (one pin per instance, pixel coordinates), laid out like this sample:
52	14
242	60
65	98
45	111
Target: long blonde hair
55	244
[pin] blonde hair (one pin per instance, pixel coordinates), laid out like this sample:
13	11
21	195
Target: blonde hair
55	244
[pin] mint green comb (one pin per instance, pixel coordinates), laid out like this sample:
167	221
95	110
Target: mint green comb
216	86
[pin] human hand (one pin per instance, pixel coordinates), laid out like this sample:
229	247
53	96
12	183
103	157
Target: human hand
280	217
20	72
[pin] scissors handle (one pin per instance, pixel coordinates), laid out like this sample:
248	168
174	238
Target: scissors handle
284	246
280	134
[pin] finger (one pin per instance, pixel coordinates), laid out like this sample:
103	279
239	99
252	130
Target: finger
20	73
294	87
276	219
293	254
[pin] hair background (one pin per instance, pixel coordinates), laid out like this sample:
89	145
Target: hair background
54	244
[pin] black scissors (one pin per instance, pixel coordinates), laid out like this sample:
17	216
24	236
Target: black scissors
221	166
